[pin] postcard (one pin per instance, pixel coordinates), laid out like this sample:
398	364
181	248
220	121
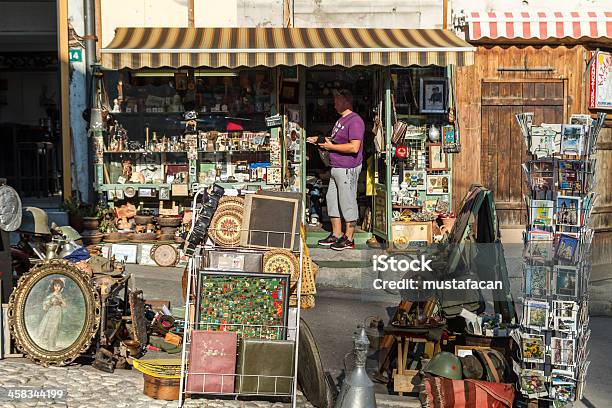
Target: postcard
572	139
536	280
533	383
562	351
540	245
533	347
565	308
566	247
580	119
569	175
536	314
568	211
565	280
542	143
562	394
565	325
541	212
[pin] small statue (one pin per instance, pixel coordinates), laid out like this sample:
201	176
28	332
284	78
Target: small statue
116	107
126	170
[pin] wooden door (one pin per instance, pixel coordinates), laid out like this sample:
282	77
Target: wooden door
503	149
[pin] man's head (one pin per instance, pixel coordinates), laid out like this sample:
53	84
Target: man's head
343	100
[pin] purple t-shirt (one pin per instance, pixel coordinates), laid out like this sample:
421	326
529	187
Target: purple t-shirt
347	128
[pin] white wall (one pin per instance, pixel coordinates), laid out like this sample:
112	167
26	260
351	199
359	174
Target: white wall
531	5
142	13
269	13
214	13
368	13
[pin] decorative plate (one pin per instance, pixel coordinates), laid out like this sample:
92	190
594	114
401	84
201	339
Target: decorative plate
226	225
231	199
164	255
10	209
281	261
129	192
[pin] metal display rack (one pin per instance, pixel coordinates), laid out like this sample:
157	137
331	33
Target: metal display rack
554	329
289	331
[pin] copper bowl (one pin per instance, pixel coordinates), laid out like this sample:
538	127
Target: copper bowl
169	221
168	230
143	219
116	237
91	223
90	237
143	237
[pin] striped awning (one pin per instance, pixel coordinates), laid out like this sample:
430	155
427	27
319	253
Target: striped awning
540	26
140	47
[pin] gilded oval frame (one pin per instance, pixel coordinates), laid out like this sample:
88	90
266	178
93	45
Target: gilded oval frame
17	312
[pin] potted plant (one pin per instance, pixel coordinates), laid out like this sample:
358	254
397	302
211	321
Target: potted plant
91	216
75	214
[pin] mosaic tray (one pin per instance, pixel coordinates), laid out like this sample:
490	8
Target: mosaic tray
254	305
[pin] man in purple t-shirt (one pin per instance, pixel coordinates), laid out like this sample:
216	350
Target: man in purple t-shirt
345	146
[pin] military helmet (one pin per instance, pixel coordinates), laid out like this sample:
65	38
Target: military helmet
445	364
34	221
69	233
493	363
472	367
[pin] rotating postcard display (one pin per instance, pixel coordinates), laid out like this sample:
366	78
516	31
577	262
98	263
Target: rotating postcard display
554	330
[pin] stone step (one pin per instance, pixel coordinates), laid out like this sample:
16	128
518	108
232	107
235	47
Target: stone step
326	254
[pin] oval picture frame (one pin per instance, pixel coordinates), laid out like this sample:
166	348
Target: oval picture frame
54	313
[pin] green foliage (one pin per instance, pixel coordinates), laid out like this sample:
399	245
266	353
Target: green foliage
77	208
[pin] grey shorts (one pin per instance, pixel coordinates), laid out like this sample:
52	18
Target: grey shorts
342	194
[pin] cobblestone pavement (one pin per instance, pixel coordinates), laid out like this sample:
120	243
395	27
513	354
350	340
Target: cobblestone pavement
87	387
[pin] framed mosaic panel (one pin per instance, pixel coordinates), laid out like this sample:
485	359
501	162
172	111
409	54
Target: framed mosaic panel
255	305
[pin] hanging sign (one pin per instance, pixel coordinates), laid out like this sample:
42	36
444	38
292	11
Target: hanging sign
600	80
75	55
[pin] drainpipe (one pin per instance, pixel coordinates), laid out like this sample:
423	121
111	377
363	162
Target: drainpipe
90	60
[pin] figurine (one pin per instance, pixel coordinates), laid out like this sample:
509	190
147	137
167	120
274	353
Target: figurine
116	107
126	169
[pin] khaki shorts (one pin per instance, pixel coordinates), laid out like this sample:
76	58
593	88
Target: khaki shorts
342	194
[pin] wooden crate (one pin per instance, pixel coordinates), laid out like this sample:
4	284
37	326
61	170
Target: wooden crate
408	381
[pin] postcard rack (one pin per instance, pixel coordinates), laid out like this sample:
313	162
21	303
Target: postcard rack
203	314
553	337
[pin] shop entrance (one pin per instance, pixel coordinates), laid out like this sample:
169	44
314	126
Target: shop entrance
320	119
503	149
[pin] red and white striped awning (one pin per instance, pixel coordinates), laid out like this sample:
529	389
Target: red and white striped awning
519	26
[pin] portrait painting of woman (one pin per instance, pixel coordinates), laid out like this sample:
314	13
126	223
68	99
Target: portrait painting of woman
53	307
55	312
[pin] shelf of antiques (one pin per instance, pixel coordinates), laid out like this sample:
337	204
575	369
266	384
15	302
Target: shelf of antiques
423	140
554	330
244	272
170	131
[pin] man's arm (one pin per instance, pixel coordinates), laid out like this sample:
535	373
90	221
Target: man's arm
351	147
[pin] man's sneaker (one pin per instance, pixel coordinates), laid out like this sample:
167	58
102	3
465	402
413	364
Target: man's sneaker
343	243
330	240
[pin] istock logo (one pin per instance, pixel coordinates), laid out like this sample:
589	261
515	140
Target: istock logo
384	263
